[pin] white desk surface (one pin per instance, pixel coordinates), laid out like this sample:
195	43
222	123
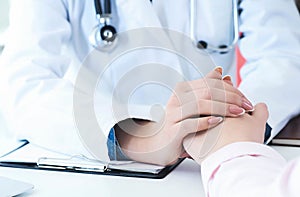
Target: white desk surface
185	180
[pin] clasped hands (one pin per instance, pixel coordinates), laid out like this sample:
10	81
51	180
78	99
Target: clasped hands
194	123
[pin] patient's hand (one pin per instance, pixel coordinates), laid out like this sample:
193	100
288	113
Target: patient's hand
248	127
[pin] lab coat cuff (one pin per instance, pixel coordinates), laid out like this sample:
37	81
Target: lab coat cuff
212	163
134	112
115	152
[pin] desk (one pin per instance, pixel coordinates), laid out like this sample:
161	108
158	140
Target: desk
185	180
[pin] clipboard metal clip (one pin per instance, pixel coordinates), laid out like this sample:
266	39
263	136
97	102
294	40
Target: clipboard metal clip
76	163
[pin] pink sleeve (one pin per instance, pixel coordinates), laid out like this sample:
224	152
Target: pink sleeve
250	169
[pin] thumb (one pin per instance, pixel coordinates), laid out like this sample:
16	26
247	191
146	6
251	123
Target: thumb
261	112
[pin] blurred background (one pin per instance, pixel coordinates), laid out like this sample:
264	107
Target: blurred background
4	9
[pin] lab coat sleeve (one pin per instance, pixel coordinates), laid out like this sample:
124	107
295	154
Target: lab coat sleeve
271	46
249	169
37	100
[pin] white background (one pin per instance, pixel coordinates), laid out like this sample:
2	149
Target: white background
4	9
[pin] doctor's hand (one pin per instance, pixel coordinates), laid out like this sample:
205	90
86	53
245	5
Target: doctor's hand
194	106
247	128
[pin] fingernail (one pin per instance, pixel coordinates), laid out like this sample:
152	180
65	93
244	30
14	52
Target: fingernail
219	69
246	100
215	120
247	105
236	110
250	111
227	78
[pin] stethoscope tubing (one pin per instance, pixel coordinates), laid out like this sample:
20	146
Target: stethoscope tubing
99	10
214	49
104	18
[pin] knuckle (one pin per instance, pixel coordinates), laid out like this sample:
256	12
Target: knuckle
205	82
205	94
173	101
180	86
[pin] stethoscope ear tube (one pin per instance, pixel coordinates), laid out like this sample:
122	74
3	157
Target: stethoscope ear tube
98	7
105	34
201	44
222	49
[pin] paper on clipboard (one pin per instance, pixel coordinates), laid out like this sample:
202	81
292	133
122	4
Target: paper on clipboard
7	146
30	153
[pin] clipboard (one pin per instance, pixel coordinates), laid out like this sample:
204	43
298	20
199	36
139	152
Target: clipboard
53	161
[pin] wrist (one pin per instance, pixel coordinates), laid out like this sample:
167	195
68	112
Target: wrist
132	144
146	143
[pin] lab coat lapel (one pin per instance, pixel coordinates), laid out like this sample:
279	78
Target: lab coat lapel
134	14
173	14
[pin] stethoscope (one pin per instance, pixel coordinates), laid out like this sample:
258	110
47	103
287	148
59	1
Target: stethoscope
105	34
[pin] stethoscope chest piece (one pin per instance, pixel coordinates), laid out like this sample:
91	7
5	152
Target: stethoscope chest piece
108	33
103	37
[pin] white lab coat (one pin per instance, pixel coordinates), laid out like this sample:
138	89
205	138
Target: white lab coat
48	41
